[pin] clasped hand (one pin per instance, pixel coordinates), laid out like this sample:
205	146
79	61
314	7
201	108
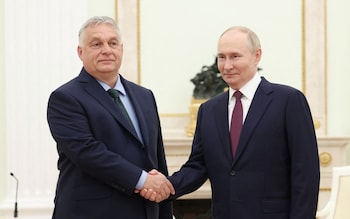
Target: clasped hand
157	187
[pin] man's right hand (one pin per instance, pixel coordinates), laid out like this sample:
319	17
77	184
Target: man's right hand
157	187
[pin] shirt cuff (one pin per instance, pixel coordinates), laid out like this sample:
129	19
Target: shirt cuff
142	180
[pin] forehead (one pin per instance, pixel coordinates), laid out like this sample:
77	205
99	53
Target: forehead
233	41
101	31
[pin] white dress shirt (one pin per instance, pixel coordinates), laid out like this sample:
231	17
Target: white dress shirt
248	91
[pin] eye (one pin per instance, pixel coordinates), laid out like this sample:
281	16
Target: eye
95	44
235	56
221	57
114	44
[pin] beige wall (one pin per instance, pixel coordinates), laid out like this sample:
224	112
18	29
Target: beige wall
338	25
178	38
96	8
175	47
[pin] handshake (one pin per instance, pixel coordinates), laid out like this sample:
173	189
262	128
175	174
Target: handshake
156	187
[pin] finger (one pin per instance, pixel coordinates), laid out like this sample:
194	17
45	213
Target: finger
165	191
143	192
147	194
153	196
159	199
162	194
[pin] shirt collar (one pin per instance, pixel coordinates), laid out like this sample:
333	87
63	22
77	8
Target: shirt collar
119	86
248	90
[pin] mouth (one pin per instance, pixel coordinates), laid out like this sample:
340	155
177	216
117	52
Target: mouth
231	74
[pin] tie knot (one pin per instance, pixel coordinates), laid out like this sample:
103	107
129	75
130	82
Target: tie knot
238	94
114	93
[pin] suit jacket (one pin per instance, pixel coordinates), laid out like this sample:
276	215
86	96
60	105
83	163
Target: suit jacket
100	156
275	173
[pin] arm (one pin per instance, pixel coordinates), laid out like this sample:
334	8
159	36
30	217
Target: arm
76	125
305	172
193	173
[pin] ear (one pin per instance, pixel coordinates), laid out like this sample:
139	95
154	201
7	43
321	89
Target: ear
80	52
258	55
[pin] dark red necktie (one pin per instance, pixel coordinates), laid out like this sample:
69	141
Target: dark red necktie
236	122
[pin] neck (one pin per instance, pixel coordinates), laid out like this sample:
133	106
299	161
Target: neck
110	78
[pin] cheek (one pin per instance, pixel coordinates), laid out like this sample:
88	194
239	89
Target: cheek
220	67
242	66
118	53
91	55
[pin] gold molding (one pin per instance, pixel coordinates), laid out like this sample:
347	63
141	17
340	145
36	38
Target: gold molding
195	104
317	123
325	159
325	189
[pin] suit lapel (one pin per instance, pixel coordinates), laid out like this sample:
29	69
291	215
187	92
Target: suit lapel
257	109
220	110
95	90
139	111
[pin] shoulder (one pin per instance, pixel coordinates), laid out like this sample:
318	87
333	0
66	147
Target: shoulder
67	87
137	92
132	86
278	88
73	84
218	100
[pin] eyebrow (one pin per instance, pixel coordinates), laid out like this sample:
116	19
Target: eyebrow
98	38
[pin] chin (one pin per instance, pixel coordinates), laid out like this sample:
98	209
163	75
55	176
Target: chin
107	69
231	80
233	84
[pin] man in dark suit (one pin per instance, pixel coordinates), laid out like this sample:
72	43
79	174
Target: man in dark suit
274	171
104	155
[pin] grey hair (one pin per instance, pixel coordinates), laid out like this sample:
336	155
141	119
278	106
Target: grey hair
253	39
97	20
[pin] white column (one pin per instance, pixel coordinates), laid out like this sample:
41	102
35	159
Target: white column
315	61
128	21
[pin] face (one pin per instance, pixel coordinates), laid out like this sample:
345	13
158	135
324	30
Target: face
236	62
101	51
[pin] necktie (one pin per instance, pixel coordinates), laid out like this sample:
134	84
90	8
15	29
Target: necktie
115	94
236	122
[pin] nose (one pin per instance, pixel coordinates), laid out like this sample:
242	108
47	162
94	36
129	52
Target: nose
106	48
228	64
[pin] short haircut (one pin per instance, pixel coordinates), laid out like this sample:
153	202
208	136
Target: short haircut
97	20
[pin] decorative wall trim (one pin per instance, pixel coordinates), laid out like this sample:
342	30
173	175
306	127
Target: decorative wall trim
315	60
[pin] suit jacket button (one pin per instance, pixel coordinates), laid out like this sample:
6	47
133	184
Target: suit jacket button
233	173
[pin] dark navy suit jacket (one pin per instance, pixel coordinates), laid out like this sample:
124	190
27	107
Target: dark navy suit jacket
275	173
100	155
